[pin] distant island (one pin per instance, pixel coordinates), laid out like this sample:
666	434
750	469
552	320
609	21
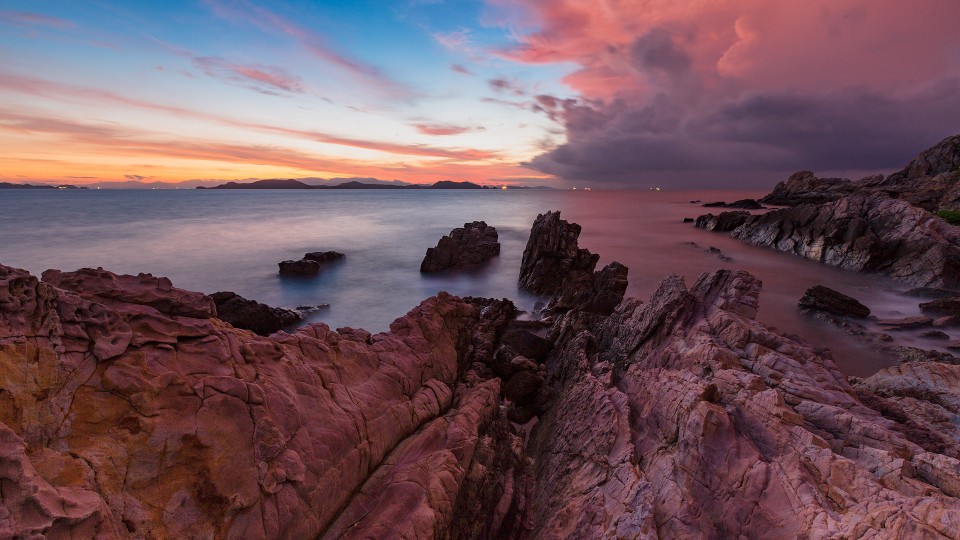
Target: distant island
279	183
10	185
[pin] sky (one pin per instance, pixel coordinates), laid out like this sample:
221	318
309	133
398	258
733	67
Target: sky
604	93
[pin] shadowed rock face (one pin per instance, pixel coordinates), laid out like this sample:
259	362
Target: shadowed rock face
822	298
471	245
804	188
252	315
681	417
552	256
724	222
865	232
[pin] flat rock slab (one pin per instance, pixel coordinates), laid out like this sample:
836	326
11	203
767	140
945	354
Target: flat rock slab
907	323
822	298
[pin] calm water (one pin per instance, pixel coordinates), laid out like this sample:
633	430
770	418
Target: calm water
232	240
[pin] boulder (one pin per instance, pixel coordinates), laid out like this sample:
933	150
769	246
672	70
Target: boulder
310	264
822	298
906	323
942	306
324	256
724	222
472	245
252	315
301	268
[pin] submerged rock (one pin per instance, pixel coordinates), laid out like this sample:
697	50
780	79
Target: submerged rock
310	264
252	315
471	245
942	306
822	298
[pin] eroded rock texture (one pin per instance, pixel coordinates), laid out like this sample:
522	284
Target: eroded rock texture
723	222
865	232
471	245
553	256
126	411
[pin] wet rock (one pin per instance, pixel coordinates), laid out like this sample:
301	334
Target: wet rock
723	222
746	204
931	292
907	323
301	268
718	204
823	298
864	232
688	220
471	245
310	264
553	256
324	256
942	306
934	334
252	315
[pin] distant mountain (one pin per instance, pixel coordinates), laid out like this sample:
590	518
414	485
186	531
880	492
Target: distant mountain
10	185
274	183
279	183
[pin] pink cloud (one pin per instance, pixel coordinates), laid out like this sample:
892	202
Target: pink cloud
32	86
460	69
444	129
744	86
267	79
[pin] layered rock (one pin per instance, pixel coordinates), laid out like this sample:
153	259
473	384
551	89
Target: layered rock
468	246
724	222
252	315
126	411
942	306
865	232
820	298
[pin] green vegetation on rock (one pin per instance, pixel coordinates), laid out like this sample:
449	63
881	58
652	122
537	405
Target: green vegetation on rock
951	216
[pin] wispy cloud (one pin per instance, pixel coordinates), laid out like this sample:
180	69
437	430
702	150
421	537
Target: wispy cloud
264	79
370	75
24	18
460	69
38	87
506	86
428	128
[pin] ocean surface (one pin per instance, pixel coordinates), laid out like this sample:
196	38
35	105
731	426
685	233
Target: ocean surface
210	241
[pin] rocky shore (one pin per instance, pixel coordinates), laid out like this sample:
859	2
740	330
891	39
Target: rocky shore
128	409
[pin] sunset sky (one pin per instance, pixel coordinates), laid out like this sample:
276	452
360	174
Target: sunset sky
673	93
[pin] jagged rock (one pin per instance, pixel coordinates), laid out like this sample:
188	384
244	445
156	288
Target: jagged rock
906	323
804	188
552	256
473	244
252	315
684	417
865	233
823	298
194	429
932	179
598	293
723	222
942	306
527	343
324	256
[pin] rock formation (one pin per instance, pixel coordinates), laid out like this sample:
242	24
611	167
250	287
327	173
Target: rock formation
745	204
471	245
804	188
865	232
128	411
724	222
310	264
252	315
942	306
820	298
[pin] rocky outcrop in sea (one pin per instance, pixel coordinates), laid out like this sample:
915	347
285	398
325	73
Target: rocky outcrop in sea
468	246
876	224
128	410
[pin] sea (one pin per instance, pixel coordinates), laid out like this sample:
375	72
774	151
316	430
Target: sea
232	240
